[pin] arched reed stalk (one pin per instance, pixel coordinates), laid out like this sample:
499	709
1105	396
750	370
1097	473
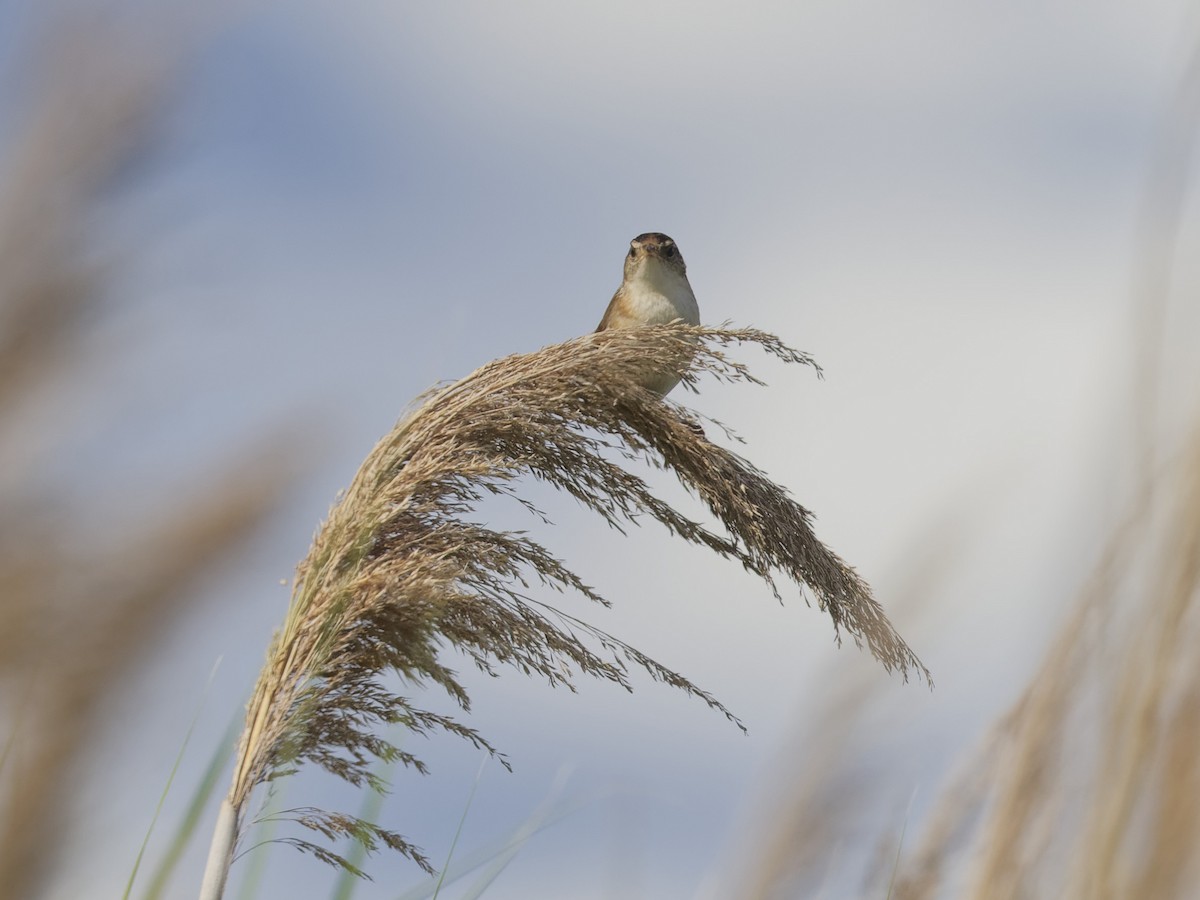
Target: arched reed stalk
397	572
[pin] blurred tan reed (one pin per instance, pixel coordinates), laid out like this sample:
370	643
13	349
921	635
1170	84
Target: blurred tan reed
398	572
79	611
1088	787
1089	784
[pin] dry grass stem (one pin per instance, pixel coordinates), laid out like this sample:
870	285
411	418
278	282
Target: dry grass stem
398	571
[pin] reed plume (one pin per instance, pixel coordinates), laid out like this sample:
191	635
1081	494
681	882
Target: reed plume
398	572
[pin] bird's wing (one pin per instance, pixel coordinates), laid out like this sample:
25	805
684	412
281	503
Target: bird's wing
616	315
611	315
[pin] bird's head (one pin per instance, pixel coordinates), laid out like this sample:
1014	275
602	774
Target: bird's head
653	251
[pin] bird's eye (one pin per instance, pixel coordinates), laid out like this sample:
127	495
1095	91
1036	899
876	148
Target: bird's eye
632	252
669	250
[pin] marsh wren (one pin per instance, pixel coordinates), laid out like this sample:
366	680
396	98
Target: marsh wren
655	291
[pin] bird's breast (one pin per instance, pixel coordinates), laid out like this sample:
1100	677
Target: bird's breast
662	300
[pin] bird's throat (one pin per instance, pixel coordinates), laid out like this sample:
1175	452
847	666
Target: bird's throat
658	294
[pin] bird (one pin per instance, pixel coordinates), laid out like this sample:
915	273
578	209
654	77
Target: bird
655	291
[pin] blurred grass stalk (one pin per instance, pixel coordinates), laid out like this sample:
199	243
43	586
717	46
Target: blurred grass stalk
79	609
1089	786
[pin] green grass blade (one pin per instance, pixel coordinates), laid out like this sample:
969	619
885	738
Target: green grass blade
343	888
498	854
162	799
458	831
268	824
201	796
540	820
492	872
900	845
